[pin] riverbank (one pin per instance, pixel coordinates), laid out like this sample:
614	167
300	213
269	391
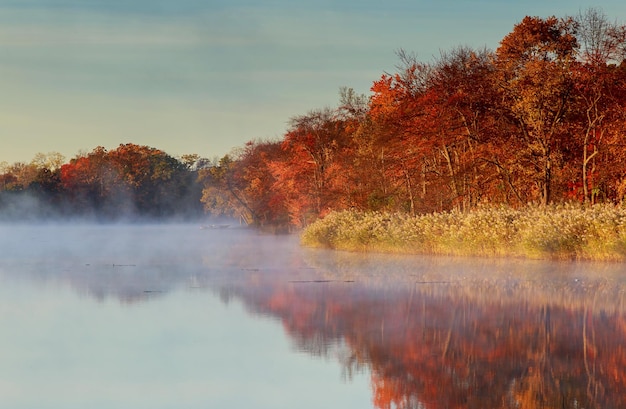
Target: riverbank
567	231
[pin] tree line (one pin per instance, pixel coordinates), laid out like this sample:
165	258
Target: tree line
540	119
129	182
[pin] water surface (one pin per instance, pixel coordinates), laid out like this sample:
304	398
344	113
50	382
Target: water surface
156	316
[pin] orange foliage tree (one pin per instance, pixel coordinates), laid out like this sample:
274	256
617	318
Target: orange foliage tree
243	186
534	74
311	176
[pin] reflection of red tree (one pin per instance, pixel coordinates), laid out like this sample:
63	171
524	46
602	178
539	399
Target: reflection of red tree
436	350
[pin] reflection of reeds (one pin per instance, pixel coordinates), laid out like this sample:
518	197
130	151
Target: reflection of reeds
570	285
567	231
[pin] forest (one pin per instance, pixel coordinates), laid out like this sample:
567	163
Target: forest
540	120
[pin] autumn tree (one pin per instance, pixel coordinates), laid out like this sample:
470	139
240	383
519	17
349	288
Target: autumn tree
19	176
217	196
243	186
430	129
397	138
154	179
131	180
24	186
7	181
474	141
311	175
257	168
91	183
600	101
223	190
534	75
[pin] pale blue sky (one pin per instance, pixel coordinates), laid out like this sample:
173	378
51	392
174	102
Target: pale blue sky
205	76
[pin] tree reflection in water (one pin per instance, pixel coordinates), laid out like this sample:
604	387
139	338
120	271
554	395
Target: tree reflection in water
455	336
433	332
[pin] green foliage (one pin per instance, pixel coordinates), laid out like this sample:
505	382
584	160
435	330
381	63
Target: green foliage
568	231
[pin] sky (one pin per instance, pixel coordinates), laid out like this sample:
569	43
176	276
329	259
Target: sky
206	76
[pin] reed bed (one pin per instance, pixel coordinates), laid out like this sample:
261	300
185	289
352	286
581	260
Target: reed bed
566	231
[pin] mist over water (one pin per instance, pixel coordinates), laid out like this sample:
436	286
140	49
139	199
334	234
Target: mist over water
163	253
116	316
190	315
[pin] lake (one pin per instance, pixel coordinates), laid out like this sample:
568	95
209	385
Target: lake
175	316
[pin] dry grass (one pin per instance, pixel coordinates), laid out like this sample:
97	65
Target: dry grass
568	231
